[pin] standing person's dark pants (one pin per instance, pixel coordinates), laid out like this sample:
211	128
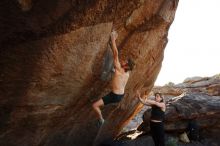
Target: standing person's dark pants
157	131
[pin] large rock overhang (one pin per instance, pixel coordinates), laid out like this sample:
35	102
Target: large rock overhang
55	61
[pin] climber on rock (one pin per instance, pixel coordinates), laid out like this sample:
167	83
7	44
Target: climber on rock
120	78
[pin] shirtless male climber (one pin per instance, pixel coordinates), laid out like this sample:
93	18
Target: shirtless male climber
120	78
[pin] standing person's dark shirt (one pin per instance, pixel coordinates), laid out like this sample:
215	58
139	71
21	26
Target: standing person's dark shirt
157	113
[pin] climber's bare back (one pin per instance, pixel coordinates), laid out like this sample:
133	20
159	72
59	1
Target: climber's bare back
119	81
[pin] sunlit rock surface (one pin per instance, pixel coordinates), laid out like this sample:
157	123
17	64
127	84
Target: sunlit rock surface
56	60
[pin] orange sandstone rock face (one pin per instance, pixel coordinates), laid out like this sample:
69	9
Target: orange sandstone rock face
55	61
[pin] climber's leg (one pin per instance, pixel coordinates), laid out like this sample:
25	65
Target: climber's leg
96	106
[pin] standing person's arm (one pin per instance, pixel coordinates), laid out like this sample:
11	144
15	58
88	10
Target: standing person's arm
117	64
141	98
150	102
143	102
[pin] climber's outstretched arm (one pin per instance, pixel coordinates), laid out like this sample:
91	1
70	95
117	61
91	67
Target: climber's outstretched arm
117	64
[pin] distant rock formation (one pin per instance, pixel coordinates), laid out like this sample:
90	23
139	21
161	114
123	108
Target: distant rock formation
55	61
206	85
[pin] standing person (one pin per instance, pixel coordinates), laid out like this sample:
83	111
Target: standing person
157	117
119	81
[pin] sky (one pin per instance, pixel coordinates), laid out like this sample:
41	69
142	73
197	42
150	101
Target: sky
193	48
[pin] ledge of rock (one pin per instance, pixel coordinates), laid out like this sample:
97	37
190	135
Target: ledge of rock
55	61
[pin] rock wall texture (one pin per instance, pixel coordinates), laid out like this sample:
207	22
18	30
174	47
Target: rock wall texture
55	61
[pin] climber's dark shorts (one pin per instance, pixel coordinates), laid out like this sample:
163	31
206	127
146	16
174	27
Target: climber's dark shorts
112	98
